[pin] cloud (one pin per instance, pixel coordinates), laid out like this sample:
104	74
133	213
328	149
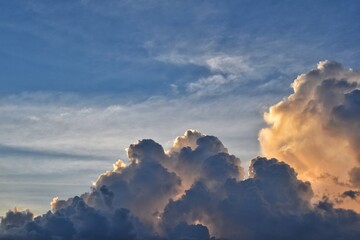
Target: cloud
354	176
80	144
315	129
76	221
225	72
42	154
351	194
16	218
195	190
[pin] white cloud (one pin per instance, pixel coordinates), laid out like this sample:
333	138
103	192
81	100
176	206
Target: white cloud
226	71
236	65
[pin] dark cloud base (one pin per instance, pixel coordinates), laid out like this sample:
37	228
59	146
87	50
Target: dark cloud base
194	191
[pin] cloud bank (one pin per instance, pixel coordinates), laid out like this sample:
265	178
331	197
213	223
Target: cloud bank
74	133
316	129
195	190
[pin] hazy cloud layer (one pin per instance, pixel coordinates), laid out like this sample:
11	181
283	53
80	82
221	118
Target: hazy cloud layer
316	129
195	190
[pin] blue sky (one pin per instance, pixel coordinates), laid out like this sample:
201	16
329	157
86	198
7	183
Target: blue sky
131	47
81	80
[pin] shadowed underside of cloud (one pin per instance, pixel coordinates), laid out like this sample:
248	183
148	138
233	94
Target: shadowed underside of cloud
195	190
316	129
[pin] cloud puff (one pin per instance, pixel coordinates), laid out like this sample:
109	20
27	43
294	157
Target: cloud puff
76	221
227	72
195	190
351	194
316	129
16	218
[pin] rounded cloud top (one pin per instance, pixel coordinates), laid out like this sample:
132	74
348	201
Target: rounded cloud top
195	190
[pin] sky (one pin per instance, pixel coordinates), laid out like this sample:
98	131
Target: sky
81	80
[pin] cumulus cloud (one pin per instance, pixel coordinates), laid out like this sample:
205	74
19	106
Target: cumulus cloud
316	129
195	190
16	218
88	139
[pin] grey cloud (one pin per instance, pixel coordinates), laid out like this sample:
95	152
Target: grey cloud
16	219
6	150
351	194
76	221
144	188
184	231
193	206
354	175
87	132
273	204
221	167
146	149
206	157
347	118
350	109
193	191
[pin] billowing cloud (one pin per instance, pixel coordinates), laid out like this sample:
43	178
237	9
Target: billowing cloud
316	129
15	218
77	136
195	190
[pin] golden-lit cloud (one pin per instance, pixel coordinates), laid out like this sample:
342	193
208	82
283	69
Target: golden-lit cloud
317	129
195	190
